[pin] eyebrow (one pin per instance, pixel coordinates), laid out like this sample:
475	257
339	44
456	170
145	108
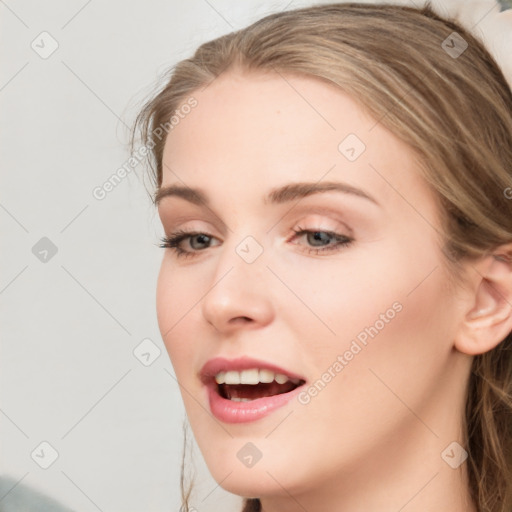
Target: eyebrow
278	195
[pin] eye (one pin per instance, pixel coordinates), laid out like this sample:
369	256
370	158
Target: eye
174	241
322	241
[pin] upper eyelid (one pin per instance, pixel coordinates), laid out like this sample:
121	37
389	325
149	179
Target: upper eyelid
302	207
329	214
189	232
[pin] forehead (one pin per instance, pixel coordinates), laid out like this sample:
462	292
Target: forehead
250	132
285	113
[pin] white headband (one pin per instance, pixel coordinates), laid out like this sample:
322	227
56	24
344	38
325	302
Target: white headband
482	18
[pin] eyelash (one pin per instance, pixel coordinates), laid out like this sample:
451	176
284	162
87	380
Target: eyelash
174	240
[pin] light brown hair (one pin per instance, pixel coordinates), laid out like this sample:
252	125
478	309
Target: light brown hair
455	113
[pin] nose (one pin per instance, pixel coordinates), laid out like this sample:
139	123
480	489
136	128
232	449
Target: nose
238	295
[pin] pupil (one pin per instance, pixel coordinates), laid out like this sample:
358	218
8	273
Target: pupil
202	237
318	235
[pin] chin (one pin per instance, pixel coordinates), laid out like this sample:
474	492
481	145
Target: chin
267	477
248	484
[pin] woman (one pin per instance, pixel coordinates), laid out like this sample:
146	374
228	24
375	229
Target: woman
336	290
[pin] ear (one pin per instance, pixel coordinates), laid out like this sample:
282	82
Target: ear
488	319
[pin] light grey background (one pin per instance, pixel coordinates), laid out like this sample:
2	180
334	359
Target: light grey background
71	321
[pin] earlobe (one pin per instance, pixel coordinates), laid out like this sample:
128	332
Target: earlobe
489	320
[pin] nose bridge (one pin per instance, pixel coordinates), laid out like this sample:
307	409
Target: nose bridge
238	287
244	252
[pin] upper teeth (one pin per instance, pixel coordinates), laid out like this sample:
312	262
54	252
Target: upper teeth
252	376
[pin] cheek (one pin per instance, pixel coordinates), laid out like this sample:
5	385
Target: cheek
393	316
335	301
392	326
175	299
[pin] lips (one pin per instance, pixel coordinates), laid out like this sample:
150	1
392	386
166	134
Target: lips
238	403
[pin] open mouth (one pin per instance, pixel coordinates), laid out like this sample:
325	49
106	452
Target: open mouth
249	392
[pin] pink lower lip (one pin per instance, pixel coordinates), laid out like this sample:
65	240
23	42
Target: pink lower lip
242	412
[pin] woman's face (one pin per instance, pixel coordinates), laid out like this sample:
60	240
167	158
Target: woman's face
361	311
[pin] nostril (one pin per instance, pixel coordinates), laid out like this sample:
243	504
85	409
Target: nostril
242	319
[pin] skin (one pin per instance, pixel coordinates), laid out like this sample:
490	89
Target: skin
372	438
